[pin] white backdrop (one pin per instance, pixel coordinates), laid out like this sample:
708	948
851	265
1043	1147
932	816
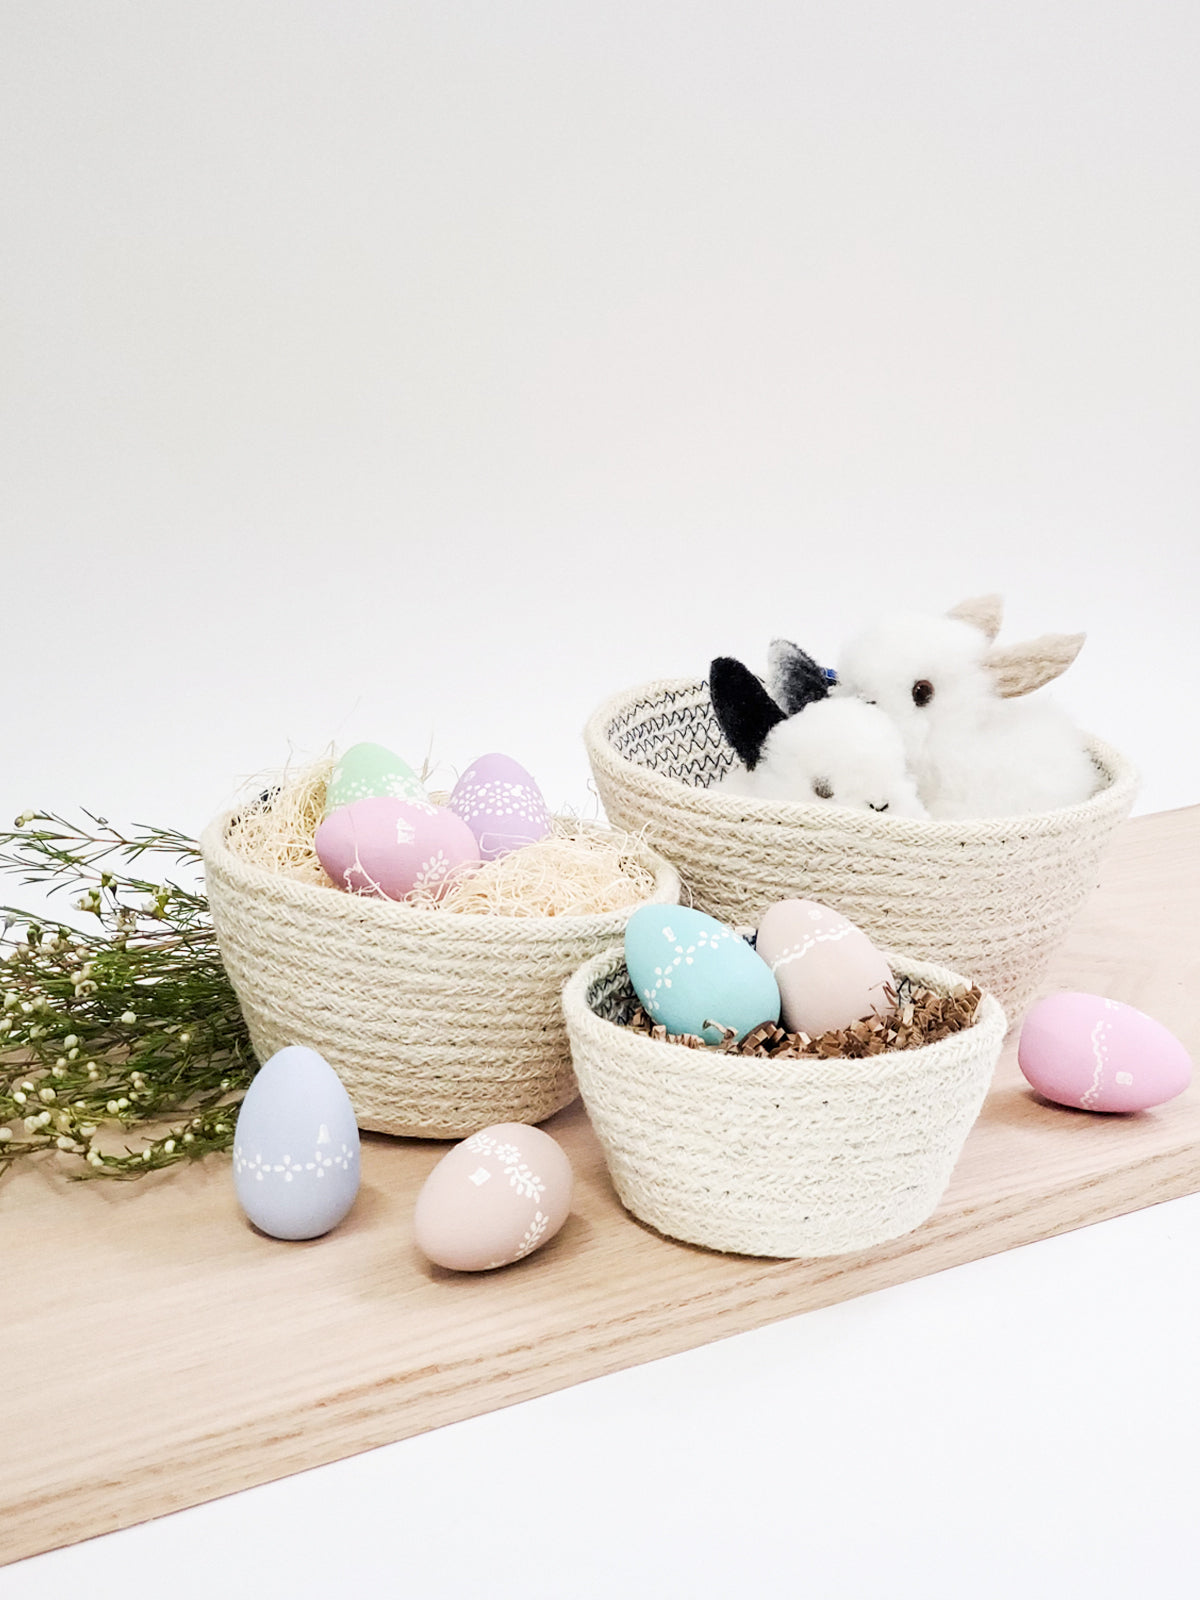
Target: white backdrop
426	372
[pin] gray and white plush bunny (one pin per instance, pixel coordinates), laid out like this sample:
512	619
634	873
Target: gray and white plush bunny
805	745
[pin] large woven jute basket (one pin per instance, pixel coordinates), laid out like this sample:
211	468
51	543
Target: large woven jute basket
993	897
776	1158
438	1023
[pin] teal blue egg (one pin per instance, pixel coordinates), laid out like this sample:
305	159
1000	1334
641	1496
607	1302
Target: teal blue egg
695	975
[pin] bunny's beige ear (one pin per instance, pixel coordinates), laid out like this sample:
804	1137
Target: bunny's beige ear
984	612
1022	668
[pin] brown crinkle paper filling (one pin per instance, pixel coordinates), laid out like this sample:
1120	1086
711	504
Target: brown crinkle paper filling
918	1017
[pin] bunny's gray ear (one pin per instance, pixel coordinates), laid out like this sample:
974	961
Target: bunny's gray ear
793	677
744	709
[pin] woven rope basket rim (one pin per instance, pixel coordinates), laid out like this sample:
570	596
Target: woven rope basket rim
756	1071
1117	792
333	904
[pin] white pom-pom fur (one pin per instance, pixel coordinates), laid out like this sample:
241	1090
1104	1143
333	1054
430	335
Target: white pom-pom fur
842	745
972	753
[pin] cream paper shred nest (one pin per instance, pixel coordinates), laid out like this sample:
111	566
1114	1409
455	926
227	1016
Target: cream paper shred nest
787	1158
993	898
580	870
438	1021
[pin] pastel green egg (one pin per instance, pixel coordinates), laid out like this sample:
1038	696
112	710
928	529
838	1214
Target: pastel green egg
369	771
695	975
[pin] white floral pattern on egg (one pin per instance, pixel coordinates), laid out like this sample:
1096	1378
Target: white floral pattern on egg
501	804
494	1199
387	848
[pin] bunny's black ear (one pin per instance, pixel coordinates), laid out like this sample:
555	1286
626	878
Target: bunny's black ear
744	709
793	677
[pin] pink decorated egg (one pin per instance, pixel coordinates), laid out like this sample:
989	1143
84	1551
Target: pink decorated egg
495	1198
1083	1050
388	847
501	804
828	971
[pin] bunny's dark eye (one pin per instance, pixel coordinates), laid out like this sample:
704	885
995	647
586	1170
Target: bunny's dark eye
922	692
822	788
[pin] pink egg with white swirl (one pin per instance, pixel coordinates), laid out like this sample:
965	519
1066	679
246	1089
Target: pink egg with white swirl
501	804
1085	1051
388	848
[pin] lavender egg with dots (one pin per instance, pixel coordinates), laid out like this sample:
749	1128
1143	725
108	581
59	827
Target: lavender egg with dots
501	804
295	1147
695	975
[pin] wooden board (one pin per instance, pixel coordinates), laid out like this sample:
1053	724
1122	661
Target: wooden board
158	1352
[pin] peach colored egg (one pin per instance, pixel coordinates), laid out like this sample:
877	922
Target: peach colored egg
828	971
1102	1055
496	1197
388	847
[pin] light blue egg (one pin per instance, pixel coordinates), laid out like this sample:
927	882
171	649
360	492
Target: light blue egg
689	969
295	1147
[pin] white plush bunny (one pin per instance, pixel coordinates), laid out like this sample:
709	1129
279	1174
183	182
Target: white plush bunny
975	749
839	751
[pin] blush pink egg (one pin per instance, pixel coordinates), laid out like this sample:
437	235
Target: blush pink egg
1102	1055
387	847
495	1198
828	971
501	804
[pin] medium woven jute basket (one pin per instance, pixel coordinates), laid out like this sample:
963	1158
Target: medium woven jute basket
776	1158
438	1023
992	897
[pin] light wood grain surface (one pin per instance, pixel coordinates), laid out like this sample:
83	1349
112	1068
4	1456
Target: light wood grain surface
158	1352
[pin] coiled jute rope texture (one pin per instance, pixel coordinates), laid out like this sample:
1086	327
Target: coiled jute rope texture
992	898
776	1158
438	1023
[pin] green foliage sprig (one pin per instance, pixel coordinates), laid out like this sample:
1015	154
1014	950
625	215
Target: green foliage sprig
130	1025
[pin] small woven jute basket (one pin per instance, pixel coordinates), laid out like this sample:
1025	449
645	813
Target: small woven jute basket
994	897
437	1022
776	1158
